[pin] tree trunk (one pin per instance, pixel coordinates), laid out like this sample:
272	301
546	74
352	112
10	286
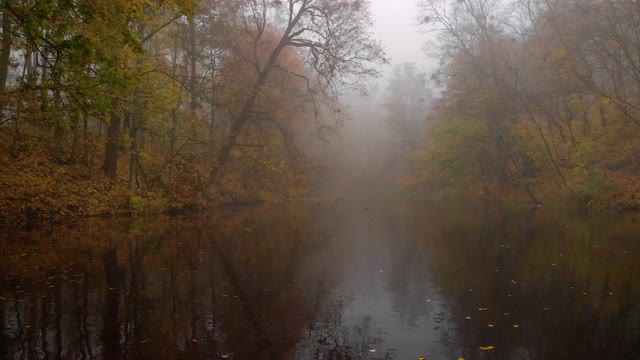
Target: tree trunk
586	125
58	129
85	139
193	84
5	57
135	123
236	129
174	112
516	160
75	145
212	124
243	117
44	75
110	166
604	120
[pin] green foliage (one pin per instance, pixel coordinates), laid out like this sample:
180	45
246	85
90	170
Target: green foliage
591	183
159	95
148	203
449	165
555	127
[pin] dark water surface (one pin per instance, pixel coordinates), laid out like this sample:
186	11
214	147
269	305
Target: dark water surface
325	280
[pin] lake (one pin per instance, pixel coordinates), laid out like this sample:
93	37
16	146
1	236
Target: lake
344	279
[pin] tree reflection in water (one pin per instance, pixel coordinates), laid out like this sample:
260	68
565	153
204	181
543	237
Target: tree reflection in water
324	281
239	286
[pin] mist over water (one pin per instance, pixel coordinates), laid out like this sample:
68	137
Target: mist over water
355	278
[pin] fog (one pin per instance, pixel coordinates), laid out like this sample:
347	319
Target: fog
361	157
396	25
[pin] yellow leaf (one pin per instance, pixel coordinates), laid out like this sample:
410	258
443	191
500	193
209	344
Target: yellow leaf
487	348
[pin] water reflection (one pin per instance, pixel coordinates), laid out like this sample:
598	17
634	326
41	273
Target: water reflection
328	280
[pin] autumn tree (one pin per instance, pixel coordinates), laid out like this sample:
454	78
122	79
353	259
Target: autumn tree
478	66
333	40
530	88
164	97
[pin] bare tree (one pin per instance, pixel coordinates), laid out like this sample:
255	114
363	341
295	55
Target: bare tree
332	38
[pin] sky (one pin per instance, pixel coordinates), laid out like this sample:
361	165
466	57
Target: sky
397	27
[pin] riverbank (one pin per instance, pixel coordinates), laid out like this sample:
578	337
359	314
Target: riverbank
37	187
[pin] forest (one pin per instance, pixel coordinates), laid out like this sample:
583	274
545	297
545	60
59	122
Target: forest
142	106
148	106
540	102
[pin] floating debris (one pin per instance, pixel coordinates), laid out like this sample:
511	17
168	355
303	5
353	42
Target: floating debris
487	348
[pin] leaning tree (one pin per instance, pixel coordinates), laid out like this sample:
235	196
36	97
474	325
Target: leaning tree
332	37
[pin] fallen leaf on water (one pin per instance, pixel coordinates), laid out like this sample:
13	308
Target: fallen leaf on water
226	356
491	325
487	348
421	358
516	325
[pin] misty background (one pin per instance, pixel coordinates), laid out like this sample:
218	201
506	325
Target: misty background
370	152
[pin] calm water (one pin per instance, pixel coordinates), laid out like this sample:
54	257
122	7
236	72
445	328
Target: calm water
325	280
